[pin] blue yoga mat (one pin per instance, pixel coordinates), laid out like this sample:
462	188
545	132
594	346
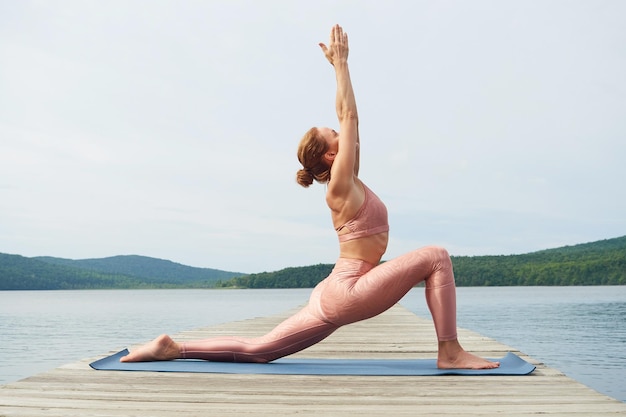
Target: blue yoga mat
511	364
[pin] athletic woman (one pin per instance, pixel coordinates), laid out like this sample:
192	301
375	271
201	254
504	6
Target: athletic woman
359	286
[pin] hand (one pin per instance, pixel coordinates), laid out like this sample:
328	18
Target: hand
337	50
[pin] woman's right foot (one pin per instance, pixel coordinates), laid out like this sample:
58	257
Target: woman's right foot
452	356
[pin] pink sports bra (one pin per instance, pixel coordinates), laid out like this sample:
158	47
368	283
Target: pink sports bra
371	219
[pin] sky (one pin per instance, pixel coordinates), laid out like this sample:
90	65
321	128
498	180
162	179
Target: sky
169	129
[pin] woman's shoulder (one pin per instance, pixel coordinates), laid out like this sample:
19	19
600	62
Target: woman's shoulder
344	188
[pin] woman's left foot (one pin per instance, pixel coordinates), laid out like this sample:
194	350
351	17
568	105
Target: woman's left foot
163	348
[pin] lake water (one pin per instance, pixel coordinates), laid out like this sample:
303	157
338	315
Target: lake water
579	330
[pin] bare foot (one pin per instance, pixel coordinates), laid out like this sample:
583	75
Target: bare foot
453	356
163	348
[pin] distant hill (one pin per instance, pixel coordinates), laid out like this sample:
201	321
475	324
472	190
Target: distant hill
21	273
149	269
596	263
48	273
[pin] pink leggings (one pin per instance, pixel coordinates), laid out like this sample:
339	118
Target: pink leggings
355	290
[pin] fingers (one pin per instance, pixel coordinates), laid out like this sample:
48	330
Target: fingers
337	35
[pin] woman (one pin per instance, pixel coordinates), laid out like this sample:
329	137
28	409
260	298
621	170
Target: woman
358	287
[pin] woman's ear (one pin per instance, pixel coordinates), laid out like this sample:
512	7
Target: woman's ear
330	156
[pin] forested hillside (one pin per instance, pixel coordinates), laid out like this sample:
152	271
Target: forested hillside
151	269
597	263
20	273
46	273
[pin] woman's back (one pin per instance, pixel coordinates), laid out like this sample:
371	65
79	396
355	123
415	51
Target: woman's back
365	235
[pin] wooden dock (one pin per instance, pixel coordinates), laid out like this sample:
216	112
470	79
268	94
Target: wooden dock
77	390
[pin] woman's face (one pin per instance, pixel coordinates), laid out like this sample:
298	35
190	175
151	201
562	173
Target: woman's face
331	137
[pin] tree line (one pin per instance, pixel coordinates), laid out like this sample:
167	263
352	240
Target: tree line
597	263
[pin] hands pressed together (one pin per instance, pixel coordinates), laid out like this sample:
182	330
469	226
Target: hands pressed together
337	50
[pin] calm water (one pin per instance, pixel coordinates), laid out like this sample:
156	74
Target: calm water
578	330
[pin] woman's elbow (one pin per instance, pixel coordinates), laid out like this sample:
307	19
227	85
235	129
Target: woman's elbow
349	116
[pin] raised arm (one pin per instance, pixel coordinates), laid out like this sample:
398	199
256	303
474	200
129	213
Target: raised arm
346	163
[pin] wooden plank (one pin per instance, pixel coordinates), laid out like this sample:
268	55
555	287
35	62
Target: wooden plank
77	390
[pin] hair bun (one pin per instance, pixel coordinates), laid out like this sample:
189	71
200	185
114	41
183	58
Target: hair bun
304	177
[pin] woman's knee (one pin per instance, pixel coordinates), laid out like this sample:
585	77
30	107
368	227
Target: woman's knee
442	275
439	253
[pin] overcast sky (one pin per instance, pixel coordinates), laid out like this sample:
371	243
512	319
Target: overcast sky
169	128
